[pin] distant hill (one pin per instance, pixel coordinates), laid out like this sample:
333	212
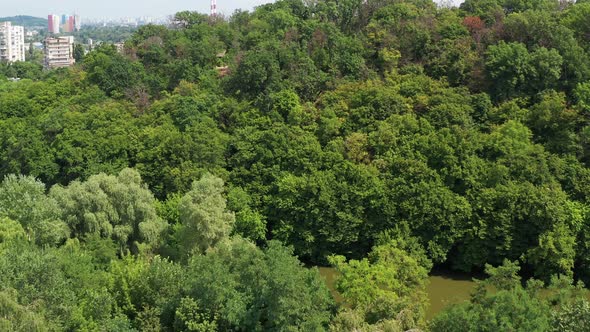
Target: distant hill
27	21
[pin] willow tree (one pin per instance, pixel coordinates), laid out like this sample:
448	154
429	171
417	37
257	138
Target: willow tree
118	207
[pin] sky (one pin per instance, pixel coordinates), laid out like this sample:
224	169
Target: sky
119	8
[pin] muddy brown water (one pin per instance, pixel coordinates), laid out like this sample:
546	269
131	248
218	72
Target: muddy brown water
443	289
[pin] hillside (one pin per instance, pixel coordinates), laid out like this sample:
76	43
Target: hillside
27	21
193	179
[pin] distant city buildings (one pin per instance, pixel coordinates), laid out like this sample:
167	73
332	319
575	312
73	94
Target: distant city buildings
125	21
12	42
59	52
53	23
65	23
31	33
69	25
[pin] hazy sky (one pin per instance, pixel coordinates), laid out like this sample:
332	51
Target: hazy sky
118	8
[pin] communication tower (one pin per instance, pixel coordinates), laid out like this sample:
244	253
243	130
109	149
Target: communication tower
213	7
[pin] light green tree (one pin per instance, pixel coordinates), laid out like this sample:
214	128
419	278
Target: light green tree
10	230
204	217
15	317
385	289
23	199
511	307
120	207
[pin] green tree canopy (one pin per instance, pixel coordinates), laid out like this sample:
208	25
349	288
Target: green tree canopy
118	207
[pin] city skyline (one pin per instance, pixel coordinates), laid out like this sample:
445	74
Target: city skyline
125	8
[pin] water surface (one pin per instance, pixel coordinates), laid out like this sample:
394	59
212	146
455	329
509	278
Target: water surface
447	288
444	288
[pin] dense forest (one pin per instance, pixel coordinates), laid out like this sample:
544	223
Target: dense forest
196	180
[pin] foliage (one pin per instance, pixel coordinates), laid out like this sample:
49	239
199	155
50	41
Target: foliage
388	287
117	207
147	188
512	307
204	220
501	302
23	199
239	286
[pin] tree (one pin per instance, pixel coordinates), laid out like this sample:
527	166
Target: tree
23	150
112	72
101	138
553	123
204	219
250	224
11	230
24	70
549	33
575	19
117	207
189	318
241	286
510	308
79	52
186	19
148	290
23	199
325	212
388	286
547	64
58	288
556	253
582	97
572	317
488	10
15	317
515	72
257	73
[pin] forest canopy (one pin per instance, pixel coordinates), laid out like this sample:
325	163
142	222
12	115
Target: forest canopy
192	180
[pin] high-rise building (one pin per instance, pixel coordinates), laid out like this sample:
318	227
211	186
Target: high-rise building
59	52
12	42
70	24
50	26
53	23
77	22
56	24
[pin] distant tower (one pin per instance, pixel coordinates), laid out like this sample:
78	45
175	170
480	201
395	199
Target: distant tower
213	7
53	25
77	22
50	21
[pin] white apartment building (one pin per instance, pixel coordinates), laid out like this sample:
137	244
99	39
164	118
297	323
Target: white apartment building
12	42
59	52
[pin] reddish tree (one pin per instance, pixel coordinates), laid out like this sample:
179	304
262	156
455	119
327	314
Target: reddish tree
473	24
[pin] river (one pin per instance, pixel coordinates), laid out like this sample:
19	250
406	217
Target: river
443	289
